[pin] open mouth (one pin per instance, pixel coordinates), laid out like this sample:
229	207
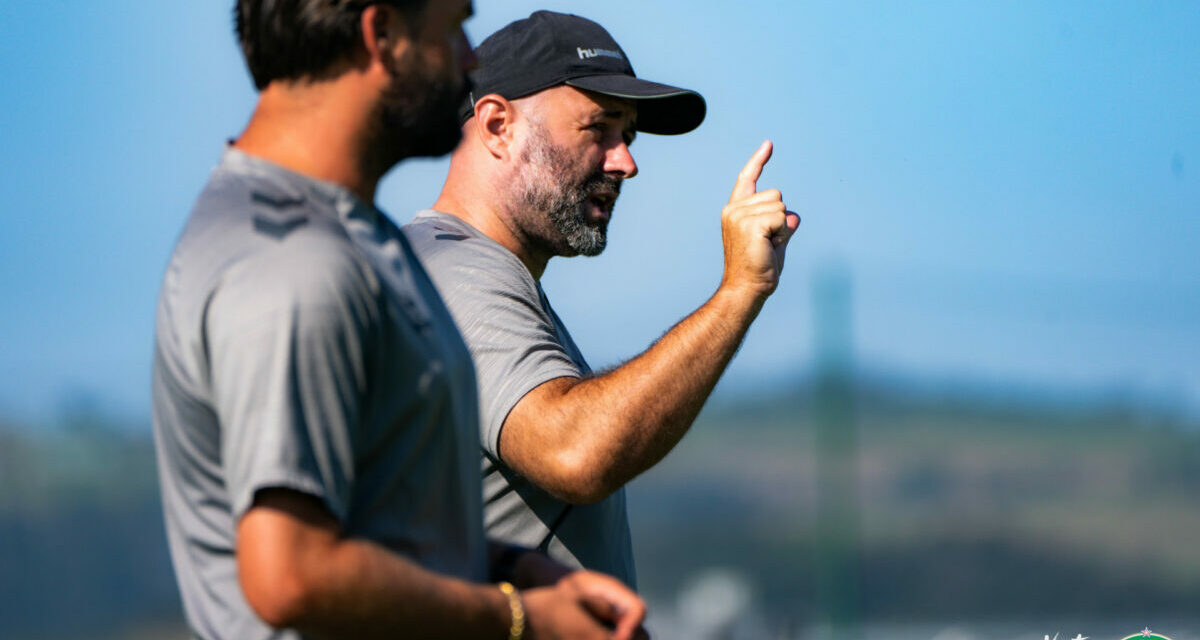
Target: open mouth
603	201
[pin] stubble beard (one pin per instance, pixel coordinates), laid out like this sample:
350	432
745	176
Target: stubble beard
417	115
552	199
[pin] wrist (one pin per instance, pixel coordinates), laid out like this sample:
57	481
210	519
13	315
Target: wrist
739	299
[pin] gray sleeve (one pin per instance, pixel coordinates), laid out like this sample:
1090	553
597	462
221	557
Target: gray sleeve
496	305
289	331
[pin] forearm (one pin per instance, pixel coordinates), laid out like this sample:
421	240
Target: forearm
649	403
366	591
371	593
627	419
297	571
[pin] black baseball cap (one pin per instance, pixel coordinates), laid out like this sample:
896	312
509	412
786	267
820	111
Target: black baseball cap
548	49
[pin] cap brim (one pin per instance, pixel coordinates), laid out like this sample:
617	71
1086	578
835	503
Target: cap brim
662	109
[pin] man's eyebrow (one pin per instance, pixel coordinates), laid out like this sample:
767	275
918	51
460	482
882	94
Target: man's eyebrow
630	128
615	114
599	116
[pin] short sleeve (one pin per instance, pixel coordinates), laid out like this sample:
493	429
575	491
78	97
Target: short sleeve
289	333
498	309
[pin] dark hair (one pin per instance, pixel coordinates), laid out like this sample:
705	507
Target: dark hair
302	39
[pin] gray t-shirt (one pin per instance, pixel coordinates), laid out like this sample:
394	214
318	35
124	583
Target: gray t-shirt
518	343
300	345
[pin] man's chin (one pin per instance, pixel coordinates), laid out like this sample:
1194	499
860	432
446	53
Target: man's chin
591	246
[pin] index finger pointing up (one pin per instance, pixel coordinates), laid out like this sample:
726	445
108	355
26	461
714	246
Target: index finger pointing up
747	180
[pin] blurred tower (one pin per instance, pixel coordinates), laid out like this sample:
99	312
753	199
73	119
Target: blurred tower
836	443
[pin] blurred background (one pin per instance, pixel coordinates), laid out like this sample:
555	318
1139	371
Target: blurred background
971	410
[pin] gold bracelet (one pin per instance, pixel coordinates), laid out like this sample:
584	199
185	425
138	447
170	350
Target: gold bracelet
517	628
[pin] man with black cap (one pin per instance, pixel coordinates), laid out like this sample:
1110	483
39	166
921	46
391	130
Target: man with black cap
546	142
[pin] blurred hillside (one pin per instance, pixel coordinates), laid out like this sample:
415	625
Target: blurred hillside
83	552
964	512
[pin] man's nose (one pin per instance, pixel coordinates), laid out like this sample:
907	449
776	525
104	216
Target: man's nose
620	160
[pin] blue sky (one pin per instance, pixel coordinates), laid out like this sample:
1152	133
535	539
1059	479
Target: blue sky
1014	187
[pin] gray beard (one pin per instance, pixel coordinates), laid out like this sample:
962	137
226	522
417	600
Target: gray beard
582	237
563	200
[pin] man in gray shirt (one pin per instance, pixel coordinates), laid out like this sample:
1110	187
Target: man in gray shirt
315	408
545	149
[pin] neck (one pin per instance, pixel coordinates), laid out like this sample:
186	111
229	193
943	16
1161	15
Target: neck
460	200
321	130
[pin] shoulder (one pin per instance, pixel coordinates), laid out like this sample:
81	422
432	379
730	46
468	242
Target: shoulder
269	244
457	256
440	236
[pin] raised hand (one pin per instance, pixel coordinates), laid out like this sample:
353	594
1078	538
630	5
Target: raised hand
755	229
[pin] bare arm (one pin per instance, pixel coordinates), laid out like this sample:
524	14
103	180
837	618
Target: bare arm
298	571
583	439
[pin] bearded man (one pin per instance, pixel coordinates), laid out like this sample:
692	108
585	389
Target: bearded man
546	143
315	408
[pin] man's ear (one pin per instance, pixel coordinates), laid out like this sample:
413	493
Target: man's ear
384	32
494	122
